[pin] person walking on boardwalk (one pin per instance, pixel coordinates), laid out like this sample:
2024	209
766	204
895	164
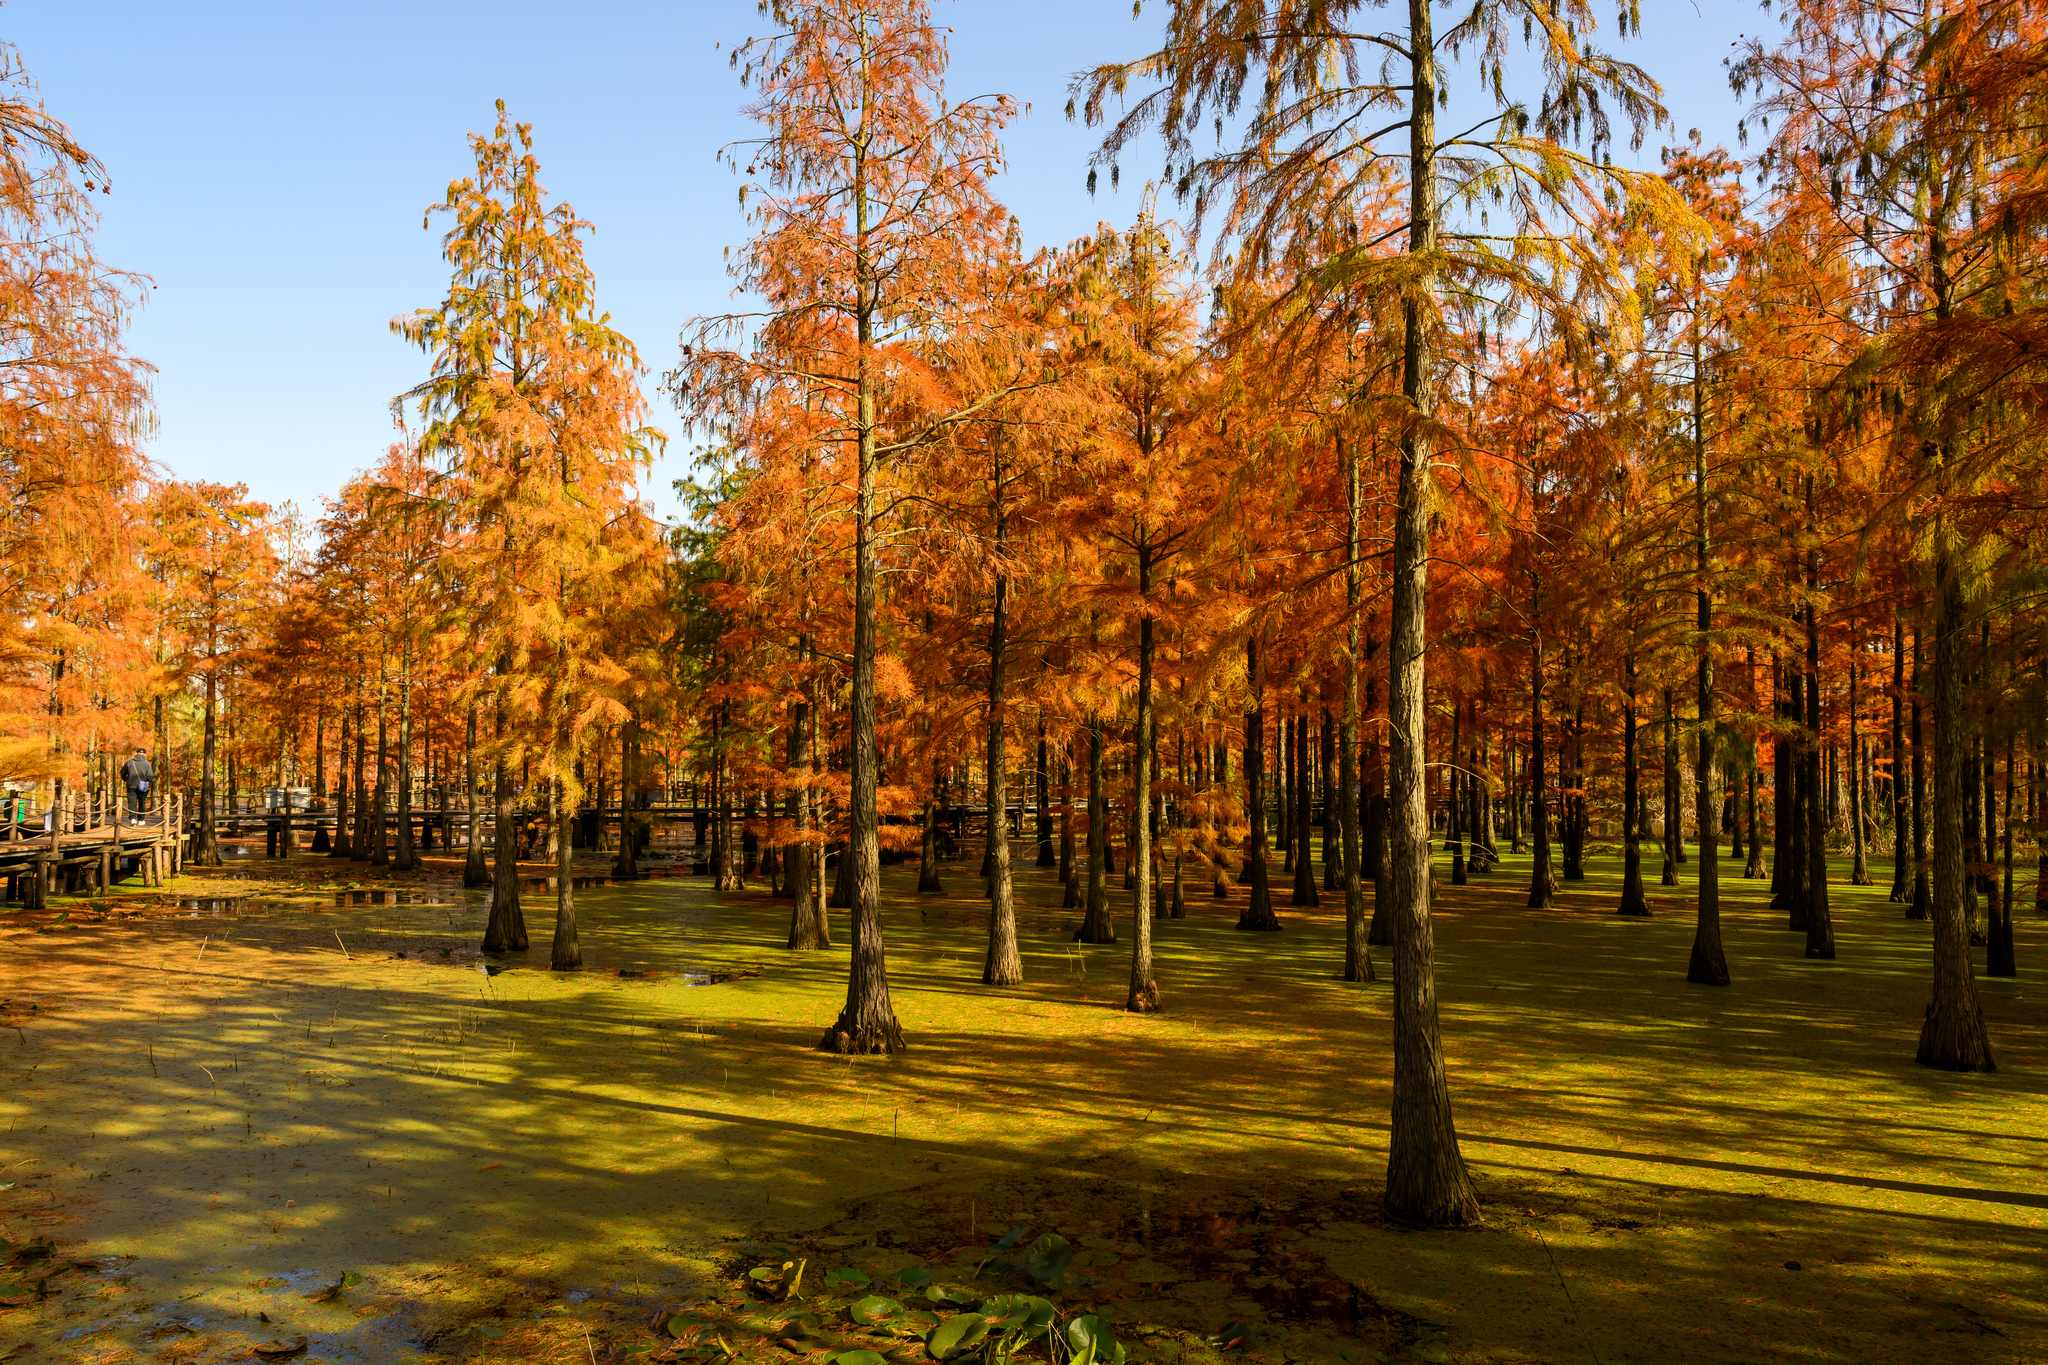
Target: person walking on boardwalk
137	775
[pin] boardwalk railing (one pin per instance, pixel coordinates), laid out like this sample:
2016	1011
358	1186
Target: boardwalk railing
78	844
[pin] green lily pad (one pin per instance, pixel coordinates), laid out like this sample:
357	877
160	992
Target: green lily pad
846	1278
857	1357
914	1276
1047	1259
914	1321
873	1309
956	1336
1093	1342
1024	1313
949	1297
1009	1239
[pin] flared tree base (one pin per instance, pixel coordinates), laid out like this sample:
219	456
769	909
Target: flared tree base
1708	967
1952	1037
879	1039
1998	956
808	930
1096	927
1143	998
1432	1199
505	934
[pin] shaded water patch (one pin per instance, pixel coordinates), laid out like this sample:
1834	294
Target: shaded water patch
586	881
221	907
387	898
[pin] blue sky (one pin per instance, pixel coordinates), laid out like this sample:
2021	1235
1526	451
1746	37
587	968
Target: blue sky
271	162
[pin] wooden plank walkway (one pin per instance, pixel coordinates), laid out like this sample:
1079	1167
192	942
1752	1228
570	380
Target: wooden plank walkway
81	844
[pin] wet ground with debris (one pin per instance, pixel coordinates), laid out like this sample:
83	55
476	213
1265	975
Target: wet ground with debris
289	1101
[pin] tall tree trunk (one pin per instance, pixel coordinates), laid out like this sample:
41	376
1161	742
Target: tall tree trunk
406	858
474	874
626	865
1952	1036
1798	860
1542	881
359	837
566	953
1673	835
1349	796
1454	823
1046	857
810	924
1070	876
1096	925
1426	1178
1782	845
1859	872
1326	774
1922	903
1998	955
1900	792
1755	867
1002	966
380	803
867	1023
1283	797
1482	795
1708	965
1258	912
1219	786
928	883
1633	900
1372	816
1304	861
2037	805
1571	783
1143	996
505	932
1820	925
206	844
341	847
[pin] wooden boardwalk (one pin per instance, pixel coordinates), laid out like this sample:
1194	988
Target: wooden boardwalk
83	843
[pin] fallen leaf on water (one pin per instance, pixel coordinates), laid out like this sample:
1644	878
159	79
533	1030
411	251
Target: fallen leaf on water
279	1350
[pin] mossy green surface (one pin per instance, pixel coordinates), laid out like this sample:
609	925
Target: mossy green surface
227	1112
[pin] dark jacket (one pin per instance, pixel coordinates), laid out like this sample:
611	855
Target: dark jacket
136	771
